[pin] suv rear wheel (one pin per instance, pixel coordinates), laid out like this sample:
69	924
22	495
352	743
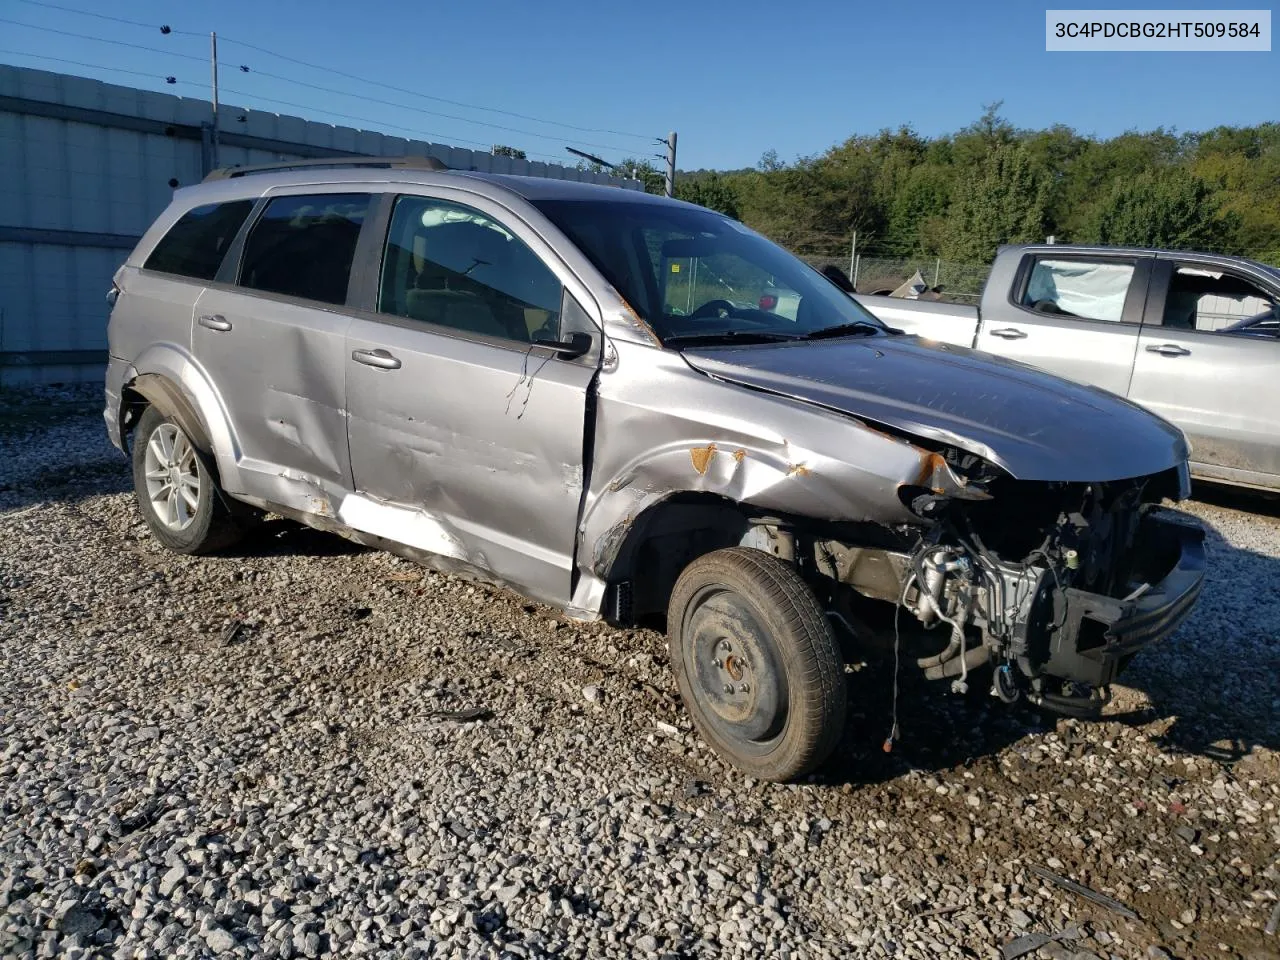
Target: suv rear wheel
176	491
756	662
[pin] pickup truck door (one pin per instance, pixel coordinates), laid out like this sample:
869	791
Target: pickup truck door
1209	360
1074	315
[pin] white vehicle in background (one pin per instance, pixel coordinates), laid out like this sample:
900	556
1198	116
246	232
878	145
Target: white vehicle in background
1193	337
785	303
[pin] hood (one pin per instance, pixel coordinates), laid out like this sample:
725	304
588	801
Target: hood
1034	425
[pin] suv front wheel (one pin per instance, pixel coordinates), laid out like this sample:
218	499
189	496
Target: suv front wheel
176	491
756	663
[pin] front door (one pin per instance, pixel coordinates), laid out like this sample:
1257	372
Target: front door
1209	361
1075	316
467	439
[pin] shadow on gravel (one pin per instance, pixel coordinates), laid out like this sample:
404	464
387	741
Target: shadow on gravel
1215	681
1211	687
54	448
79	481
284	538
1237	498
937	729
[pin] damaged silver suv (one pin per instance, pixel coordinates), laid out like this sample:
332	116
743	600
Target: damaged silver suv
579	392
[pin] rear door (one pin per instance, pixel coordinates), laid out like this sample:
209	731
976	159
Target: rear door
1209	360
272	336
467	440
1075	315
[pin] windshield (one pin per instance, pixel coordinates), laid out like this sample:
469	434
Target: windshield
692	274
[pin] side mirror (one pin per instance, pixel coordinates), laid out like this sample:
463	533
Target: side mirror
575	346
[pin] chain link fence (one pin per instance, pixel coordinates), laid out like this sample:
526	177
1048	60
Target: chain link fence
960	282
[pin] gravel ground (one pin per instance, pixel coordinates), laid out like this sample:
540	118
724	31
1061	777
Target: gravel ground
307	749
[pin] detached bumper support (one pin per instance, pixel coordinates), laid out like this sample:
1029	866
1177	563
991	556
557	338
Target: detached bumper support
1100	634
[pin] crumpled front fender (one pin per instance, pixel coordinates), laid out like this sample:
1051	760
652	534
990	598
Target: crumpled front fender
665	429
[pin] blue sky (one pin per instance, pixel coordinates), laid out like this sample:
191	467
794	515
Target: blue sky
733	78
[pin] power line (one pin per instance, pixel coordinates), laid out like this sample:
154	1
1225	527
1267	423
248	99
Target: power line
121	43
103	16
427	96
376	83
81	63
433	113
445	138
331	90
364	122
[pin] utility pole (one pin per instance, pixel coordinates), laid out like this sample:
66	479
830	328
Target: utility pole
671	164
213	59
853	254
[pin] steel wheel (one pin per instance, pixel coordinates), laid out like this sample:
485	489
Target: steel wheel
173	477
756	663
733	664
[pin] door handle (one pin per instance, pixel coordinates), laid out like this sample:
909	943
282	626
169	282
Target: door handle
1168	350
215	322
1009	333
376	358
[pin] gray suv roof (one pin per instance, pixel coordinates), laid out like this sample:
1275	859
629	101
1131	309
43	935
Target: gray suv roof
528	188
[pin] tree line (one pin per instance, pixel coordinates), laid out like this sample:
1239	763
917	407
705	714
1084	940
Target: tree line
961	195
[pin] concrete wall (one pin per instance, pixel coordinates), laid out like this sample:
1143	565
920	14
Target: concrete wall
85	166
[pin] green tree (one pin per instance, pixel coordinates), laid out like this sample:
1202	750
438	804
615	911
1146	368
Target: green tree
515	153
711	191
1166	207
1003	200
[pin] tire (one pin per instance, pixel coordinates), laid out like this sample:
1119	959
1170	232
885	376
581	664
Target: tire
162	449
742	620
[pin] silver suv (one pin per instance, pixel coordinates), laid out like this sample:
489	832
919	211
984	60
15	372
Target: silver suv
572	391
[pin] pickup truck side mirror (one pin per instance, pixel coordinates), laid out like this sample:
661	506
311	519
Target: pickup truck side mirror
577	344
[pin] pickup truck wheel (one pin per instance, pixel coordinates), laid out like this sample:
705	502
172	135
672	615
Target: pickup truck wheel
176	491
756	663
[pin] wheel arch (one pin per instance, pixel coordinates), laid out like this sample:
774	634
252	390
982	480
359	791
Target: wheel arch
157	390
169	379
645	554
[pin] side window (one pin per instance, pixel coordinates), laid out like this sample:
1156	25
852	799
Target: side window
195	245
303	246
1210	301
1079	288
451	265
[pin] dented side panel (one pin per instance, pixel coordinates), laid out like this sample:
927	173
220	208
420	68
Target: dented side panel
663	428
481	440
280	371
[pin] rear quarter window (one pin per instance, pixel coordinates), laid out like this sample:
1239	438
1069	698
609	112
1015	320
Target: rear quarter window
195	245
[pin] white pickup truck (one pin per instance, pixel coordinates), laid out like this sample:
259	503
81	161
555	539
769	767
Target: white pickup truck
1192	337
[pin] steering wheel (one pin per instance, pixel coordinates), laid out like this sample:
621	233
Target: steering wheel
713	308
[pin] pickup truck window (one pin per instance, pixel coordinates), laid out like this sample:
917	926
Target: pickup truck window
1090	290
1211	301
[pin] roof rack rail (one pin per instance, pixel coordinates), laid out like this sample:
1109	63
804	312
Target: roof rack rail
386	163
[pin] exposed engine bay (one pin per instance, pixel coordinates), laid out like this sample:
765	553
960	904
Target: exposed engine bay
1054	584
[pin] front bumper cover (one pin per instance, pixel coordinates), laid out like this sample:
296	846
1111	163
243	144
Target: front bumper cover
1100	634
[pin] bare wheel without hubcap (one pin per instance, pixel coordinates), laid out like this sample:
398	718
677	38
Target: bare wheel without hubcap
733	666
756	663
